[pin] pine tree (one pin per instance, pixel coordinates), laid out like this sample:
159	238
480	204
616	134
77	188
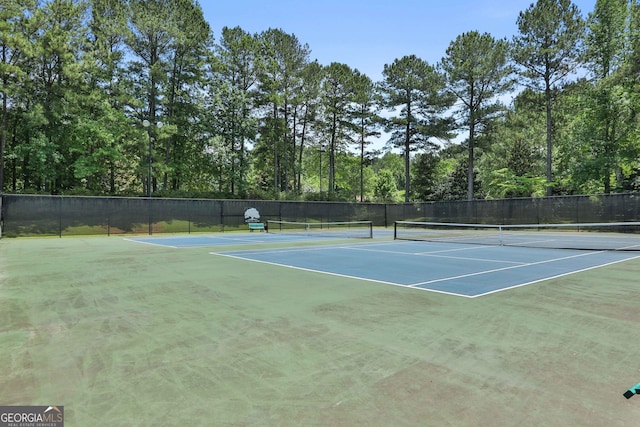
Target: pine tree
477	74
14	49
547	50
417	89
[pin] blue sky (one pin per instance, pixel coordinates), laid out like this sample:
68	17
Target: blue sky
367	34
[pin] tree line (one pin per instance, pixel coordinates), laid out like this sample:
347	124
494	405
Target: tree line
137	97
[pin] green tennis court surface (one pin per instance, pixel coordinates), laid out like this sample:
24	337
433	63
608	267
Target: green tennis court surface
122	333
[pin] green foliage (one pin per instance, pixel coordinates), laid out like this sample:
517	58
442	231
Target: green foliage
505	183
424	172
280	78
393	163
15	30
517	155
384	188
230	101
548	45
547	50
338	89
417	89
253	117
442	176
366	120
477	73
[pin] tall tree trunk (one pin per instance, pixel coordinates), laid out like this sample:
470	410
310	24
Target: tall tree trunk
3	136
275	148
362	162
332	157
472	126
472	142
301	151
407	163
547	93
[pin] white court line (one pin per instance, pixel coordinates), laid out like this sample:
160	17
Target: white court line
241	240
528	264
496	261
346	276
415	285
554	277
435	254
311	248
627	248
150	243
466	248
531	242
278	251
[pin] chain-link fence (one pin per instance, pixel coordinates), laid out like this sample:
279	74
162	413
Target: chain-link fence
25	215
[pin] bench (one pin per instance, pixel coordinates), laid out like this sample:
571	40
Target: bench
256	226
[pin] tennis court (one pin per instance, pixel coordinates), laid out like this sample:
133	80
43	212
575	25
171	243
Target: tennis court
281	232
450	268
457	259
158	331
224	239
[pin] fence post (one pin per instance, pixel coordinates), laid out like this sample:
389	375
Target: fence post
60	216
386	217
222	215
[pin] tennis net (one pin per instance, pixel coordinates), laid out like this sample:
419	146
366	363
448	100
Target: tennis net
347	229
617	236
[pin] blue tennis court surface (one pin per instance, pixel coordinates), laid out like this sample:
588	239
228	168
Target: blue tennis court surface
221	239
456	269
